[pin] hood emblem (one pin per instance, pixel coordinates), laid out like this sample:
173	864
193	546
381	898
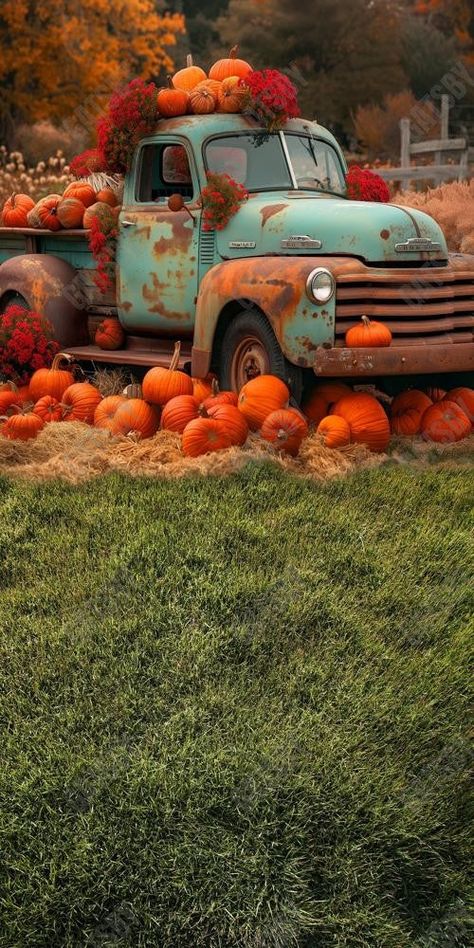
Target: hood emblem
418	245
242	244
301	242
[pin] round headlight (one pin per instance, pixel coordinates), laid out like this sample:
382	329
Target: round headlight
320	285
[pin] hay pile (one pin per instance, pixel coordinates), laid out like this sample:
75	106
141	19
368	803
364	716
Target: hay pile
76	452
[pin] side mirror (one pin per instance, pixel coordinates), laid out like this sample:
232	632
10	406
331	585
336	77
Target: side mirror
176	202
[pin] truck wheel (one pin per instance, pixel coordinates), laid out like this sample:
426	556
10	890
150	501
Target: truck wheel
250	348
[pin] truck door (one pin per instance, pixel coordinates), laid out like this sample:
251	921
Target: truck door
157	255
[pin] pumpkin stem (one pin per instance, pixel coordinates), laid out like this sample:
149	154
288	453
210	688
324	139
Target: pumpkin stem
175	359
215	387
365	320
133	391
61	357
170	82
189	60
233	52
11	385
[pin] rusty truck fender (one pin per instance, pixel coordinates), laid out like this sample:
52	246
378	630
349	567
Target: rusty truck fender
49	286
277	287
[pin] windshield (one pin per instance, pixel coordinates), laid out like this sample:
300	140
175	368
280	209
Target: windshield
265	162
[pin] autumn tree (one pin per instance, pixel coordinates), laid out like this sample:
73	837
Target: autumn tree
455	17
62	58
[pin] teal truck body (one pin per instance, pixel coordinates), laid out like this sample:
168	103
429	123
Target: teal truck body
277	288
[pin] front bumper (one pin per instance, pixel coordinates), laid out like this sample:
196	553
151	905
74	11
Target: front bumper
394	360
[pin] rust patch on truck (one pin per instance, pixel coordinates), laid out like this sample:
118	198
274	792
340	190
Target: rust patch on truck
385	234
270	211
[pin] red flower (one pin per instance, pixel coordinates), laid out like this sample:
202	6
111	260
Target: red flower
364	185
271	98
132	114
26	343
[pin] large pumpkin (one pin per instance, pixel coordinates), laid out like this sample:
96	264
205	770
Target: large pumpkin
334	431
445	422
235	424
368	333
16	209
135	417
189	77
260	396
178	412
366	419
70	213
464	397
53	381
106	410
80	401
101	212
82	191
48	213
109	334
407	410
203	435
160	385
33	219
231	66
171	101
285	429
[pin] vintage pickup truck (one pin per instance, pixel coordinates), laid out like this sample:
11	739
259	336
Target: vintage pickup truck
277	288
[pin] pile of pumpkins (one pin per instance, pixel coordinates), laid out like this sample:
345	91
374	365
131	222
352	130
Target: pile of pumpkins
75	209
209	420
190	90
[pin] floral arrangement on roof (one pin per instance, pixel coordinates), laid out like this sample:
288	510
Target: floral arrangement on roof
365	185
26	343
270	97
221	199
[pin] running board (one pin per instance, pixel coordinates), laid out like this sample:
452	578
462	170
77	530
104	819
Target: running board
139	351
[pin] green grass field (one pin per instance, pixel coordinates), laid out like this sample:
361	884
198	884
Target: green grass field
234	711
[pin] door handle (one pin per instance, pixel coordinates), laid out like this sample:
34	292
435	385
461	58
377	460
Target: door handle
128	223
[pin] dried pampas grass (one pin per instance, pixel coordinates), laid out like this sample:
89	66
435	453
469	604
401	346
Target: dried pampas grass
452	206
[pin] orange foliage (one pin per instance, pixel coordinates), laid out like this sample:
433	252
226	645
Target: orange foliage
452	206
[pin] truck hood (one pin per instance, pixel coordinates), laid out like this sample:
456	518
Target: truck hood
361	229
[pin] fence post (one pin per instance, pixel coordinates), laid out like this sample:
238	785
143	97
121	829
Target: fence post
405	143
444	130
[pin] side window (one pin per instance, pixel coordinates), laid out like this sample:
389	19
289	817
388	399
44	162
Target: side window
164	170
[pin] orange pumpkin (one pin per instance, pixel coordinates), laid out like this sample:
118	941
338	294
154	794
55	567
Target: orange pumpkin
8	397
317	405
48	409
53	381
232	66
189	77
104	214
333	390
33	219
23	395
366	419
445	422
178	412
203	388
48	213
201	101
435	393
334	431
221	398
135	417
160	385
109	334
106	410
82	191
368	333
107	196
231	95
172	101
233	419
22	426
464	397
80	401
16	209
285	429
407	411
260	396
213	85
203	435
70	213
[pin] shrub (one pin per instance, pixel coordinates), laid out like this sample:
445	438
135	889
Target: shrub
452	206
378	126
44	138
26	343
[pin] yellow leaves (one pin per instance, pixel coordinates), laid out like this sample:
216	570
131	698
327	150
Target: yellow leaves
56	53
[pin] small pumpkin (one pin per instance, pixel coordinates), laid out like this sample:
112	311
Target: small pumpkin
135	417
33	219
201	101
48	409
213	85
178	412
464	397
107	196
172	101
366	419
109	334
318	403
22	426
204	435
368	334
80	401
407	410
102	212
8	397
16	209
285	429
219	398
231	66
335	431
231	95
435	393
160	385
106	410
48	213
70	213
189	77
445	422
235	424
53	381
260	396
204	388
82	191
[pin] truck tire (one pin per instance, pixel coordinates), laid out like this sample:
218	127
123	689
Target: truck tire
250	348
